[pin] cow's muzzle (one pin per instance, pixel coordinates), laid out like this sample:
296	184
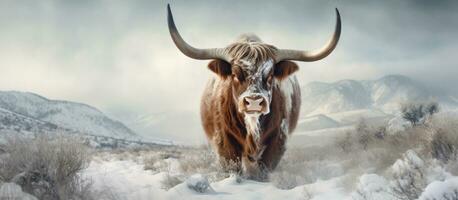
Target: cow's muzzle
255	104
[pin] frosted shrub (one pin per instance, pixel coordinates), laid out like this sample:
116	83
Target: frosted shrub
444	142
362	137
345	143
306	194
408	176
441	190
442	147
419	113
199	183
198	160
155	162
12	191
46	167
285	180
452	166
372	187
188	161
305	165
204	161
170	181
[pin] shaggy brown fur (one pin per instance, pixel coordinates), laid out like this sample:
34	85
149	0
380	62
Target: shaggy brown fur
225	126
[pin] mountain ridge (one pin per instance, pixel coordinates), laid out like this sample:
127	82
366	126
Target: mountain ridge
66	115
386	93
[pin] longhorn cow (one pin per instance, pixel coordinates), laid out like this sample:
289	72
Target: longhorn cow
251	106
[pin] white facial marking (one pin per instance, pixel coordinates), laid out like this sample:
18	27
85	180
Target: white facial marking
264	69
256	76
252	125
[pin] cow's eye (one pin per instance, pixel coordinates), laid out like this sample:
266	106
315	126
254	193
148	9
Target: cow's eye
269	79
234	77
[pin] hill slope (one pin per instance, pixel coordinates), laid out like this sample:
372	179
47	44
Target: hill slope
385	94
28	110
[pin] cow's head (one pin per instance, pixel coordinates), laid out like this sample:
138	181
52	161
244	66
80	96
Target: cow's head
251	66
252	72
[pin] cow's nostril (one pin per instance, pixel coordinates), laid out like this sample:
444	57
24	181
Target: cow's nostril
246	102
251	158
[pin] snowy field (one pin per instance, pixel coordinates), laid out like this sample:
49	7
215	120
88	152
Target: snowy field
362	162
357	164
128	180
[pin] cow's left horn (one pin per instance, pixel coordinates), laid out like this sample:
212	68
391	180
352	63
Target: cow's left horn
188	50
309	56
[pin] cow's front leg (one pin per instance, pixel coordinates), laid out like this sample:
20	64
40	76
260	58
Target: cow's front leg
252	166
275	148
229	152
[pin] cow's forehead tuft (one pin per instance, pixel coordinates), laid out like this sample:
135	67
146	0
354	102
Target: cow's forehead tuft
257	69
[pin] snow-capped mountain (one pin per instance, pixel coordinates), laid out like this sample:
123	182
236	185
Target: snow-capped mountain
30	112
345	102
385	94
19	123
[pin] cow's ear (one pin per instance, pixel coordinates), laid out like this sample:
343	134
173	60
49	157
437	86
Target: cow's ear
285	68
220	67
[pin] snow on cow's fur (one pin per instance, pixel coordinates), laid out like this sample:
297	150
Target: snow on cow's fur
254	140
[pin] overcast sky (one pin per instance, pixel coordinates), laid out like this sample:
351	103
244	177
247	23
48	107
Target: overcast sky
118	55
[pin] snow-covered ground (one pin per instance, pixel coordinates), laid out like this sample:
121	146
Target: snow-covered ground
333	163
346	162
126	179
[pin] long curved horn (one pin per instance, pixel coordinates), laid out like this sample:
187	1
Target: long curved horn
188	50
309	56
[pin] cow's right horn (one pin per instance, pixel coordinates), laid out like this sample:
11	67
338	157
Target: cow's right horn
188	50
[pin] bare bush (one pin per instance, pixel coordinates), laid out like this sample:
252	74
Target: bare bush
306	194
374	150
12	191
199	160
188	161
156	160
417	113
285	180
365	134
203	160
361	137
46	167
170	181
444	139
345	143
441	147
306	165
